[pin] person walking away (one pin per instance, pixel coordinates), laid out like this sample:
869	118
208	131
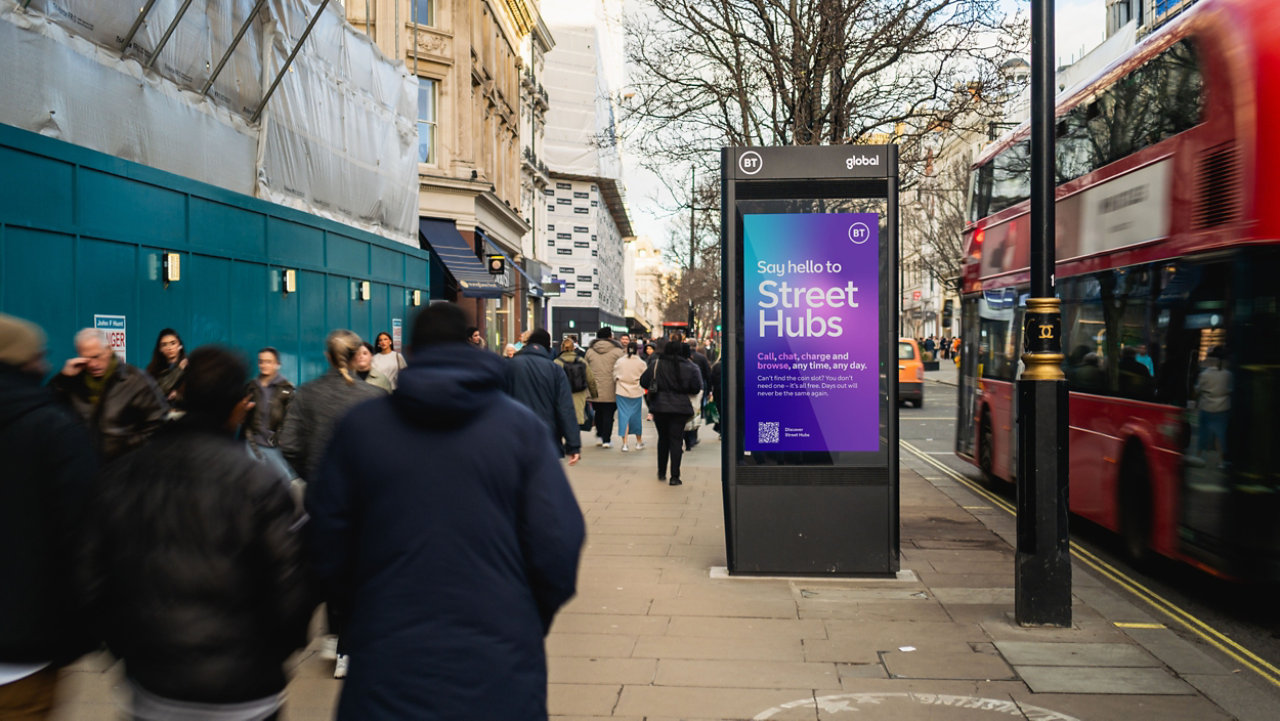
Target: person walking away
120	404
670	380
449	572
44	491
536	381
363	366
704	368
308	427
271	394
581	380
386	360
193	564
1213	405
603	353
626	378
168	361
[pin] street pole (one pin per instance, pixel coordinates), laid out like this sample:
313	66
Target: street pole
1042	566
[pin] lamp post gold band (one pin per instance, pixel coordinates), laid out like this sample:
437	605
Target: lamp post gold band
1042	340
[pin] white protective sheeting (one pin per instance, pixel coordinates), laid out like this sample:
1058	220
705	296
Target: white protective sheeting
337	139
66	87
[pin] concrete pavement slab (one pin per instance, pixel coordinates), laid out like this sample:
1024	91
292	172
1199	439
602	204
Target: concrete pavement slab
1030	653
953	661
747	628
582	699
1246	701
740	673
601	623
680	702
593	645
609	671
698	647
1096	680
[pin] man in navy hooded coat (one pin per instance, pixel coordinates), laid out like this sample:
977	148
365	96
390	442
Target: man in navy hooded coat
445	534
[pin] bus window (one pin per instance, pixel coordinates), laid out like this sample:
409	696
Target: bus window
1084	329
995	337
1256	457
1132	307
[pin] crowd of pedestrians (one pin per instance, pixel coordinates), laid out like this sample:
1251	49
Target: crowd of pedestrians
137	512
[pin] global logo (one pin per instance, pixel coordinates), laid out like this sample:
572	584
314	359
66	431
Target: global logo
859	233
750	162
860	160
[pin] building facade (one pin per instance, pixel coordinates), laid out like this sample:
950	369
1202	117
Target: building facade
469	59
587	222
586	225
644	272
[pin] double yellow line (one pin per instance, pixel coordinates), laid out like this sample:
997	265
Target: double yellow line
1179	616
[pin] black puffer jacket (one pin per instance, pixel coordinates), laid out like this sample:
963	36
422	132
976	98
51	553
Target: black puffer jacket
44	489
192	570
131	409
542	386
670	380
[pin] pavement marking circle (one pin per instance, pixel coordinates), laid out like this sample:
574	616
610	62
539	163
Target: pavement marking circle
911	704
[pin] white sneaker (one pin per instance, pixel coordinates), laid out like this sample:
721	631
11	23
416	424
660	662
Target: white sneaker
340	668
606	444
600	442
624	448
639	445
329	648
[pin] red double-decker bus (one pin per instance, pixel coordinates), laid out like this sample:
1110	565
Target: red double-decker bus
1168	268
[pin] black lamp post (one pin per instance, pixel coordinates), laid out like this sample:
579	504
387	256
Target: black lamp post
1042	573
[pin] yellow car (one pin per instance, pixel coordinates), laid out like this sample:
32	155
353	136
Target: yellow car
910	373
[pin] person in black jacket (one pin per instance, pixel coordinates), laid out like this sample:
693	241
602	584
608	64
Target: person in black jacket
670	380
443	529
44	490
120	404
192	569
542	386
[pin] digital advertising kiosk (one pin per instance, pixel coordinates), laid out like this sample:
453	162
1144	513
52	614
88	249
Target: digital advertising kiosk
810	303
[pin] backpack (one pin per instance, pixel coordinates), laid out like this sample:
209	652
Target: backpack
577	372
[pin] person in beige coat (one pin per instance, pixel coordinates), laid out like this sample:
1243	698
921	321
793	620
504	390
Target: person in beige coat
602	355
578	372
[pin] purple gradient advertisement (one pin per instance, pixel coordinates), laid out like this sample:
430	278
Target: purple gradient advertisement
811	332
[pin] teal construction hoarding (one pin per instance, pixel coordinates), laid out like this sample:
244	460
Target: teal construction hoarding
84	236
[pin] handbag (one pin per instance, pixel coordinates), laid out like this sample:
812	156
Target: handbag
711	412
588	417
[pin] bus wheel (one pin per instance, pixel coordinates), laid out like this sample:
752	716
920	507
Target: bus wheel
986	449
1135	506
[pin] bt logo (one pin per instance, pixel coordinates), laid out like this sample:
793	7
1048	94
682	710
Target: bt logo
855	161
750	162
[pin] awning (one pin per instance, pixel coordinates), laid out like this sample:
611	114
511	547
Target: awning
459	259
535	287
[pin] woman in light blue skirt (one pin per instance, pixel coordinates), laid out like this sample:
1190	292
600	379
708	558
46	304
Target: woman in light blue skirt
626	378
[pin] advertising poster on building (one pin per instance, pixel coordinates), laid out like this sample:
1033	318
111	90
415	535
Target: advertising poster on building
812	336
114	327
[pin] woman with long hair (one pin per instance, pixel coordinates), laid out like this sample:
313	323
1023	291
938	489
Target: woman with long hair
308	427
626	378
386	360
670	380
168	362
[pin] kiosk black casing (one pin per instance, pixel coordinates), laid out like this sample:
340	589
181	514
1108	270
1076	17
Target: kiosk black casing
807	513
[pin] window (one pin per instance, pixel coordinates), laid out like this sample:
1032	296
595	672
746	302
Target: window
1157	100
426	120
424	12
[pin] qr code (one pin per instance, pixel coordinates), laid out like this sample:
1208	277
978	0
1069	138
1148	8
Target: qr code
767	432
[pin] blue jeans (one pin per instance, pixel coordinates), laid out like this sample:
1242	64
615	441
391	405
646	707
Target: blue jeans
1213	426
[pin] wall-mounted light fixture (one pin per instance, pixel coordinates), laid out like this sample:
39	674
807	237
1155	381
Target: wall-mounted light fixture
289	280
416	298
172	267
363	290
